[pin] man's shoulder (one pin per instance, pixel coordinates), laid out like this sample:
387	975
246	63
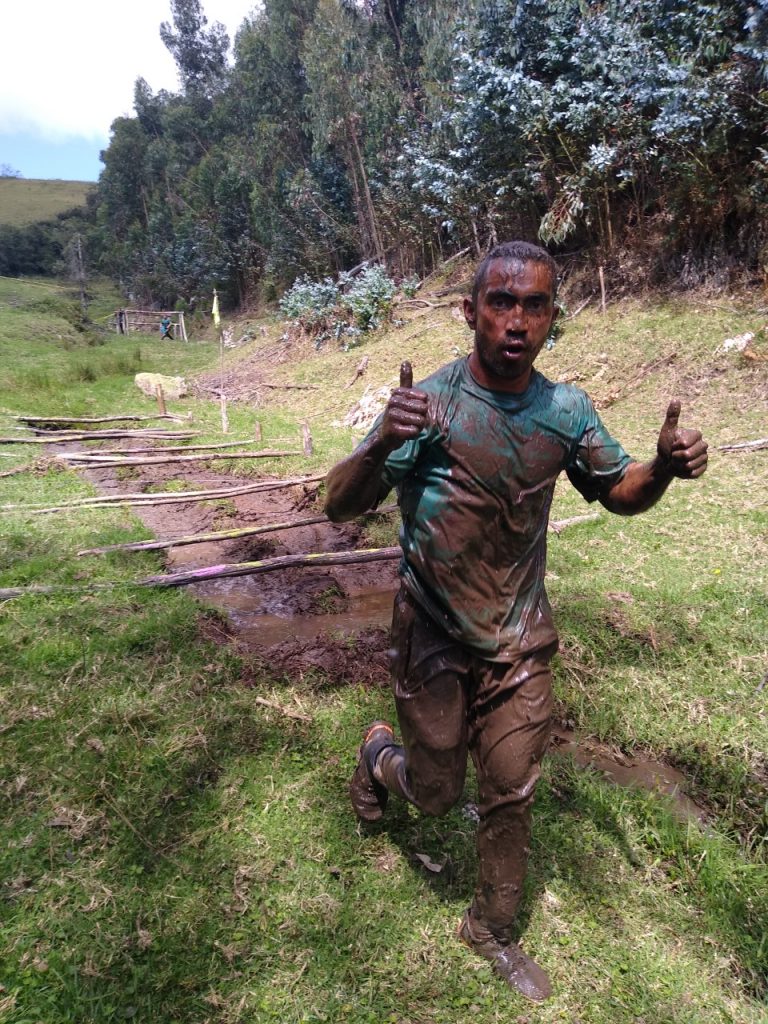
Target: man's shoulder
565	394
445	378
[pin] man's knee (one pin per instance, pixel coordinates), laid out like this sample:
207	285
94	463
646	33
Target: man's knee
436	798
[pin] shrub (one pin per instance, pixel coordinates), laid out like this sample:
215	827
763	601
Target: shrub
342	309
310	302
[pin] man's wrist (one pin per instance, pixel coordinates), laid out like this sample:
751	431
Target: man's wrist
661	468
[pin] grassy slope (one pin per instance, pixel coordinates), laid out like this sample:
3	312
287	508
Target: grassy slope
177	853
26	200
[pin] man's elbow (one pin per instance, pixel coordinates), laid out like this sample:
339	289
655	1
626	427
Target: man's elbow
336	512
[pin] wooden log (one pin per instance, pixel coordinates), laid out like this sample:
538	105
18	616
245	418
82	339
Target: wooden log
63	420
166	498
218	572
98	453
161	409
558	525
161	460
102	435
289	387
234	569
744	446
221	535
44	437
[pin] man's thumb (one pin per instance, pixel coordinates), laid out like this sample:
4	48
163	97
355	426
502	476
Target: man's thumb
673	415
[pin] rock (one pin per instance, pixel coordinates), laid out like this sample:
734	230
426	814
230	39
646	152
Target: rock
173	387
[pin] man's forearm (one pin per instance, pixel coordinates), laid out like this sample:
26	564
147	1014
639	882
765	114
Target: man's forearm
641	487
353	485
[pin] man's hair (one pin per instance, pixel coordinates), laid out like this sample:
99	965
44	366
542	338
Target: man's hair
521	252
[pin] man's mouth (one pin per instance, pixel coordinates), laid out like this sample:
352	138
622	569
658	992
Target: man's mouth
510	349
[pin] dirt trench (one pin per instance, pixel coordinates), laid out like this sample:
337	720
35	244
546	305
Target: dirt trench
331	622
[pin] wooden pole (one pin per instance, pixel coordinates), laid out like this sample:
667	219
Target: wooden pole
229	571
218	572
166	498
221	535
257	431
162	411
65	420
161	460
100	435
100	453
306	435
601	275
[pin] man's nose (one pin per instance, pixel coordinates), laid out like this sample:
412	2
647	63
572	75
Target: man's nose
516	318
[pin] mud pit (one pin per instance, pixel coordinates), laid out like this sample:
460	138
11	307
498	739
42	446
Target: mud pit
296	620
331	627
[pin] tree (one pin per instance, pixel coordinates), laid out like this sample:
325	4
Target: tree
200	53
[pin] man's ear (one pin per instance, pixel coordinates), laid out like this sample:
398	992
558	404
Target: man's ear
469	313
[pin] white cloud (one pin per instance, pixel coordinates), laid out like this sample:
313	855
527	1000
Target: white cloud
68	69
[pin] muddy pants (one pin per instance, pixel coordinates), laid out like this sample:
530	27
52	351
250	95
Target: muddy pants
450	702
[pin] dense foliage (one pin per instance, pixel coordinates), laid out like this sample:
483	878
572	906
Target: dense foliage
400	131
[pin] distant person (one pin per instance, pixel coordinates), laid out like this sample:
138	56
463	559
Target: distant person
165	329
474	452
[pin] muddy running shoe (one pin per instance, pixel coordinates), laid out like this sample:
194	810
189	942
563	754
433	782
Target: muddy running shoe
515	967
369	797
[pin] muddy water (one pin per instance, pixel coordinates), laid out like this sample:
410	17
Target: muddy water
257	625
630	772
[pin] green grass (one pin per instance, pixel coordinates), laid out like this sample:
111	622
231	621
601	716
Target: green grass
27	200
175	852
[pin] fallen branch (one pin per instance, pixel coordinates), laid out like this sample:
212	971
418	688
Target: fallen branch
558	525
362	366
217	572
220	535
97	453
642	373
289	387
583	306
163	498
19	469
161	460
282	710
744	446
37	420
98	435
228	571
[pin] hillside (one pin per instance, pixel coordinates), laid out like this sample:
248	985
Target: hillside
177	842
28	200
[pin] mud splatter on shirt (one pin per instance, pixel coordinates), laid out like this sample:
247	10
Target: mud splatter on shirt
475	489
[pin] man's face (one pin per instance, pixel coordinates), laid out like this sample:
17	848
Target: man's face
511	320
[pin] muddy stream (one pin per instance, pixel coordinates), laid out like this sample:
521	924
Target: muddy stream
331	623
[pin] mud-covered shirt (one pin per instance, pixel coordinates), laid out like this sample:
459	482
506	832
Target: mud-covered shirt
475	489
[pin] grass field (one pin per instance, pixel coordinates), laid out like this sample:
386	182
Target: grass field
173	851
27	200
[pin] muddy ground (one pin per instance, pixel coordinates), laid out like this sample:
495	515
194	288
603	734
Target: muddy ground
330	623
325	627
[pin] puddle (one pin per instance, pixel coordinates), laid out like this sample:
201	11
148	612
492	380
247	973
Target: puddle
643	774
260	623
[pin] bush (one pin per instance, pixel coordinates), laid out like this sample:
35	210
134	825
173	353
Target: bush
310	302
343	309
370	298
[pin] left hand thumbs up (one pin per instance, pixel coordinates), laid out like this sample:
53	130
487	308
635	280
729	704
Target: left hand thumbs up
683	451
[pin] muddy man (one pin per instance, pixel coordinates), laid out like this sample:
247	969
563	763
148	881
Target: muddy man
474	452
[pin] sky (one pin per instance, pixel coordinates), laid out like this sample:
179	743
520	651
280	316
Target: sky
67	70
